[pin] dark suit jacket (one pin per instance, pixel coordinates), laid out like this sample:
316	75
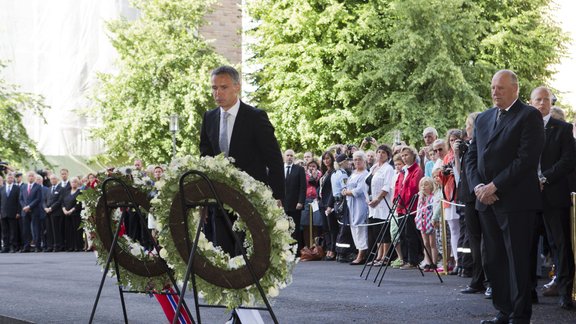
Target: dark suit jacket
52	200
508	155
10	205
557	163
295	188
253	145
34	199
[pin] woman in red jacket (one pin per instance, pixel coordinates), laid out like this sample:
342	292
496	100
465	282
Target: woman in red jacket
406	187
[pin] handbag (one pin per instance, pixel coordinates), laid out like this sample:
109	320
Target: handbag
313	253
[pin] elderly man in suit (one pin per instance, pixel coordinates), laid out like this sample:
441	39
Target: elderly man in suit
503	173
10	213
31	202
556	164
54	216
243	133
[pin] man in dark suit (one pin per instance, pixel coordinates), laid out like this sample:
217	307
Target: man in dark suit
295	180
54	216
503	173
556	165
31	202
243	133
10	213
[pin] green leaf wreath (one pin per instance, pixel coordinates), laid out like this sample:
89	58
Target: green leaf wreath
279	226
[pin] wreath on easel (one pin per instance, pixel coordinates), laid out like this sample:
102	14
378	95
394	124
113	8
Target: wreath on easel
140	269
221	279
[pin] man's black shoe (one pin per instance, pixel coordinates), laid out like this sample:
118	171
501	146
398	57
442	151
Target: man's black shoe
471	290
566	303
534	297
488	293
499	319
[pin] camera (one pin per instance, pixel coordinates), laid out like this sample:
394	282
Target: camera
3	167
462	147
447	169
369	139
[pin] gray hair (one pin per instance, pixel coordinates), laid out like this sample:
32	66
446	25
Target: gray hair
359	154
230	71
510	73
558	113
430	130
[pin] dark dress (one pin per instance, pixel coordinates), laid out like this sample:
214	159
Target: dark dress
72	231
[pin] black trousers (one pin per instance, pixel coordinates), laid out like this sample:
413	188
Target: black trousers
297	235
73	232
474	232
506	258
219	233
9	233
54	230
26	230
557	225
330	228
411	241
537	231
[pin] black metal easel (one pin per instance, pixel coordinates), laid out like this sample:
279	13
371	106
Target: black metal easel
192	246
401	226
112	253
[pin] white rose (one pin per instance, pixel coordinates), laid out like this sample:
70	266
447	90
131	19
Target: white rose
163	253
159	184
283	225
273	292
135	250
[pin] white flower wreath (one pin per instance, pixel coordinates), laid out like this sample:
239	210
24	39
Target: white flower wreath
89	199
279	226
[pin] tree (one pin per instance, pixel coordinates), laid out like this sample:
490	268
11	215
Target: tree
17	148
164	69
343	70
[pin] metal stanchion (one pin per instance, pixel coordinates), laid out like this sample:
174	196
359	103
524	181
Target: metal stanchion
573	232
445	253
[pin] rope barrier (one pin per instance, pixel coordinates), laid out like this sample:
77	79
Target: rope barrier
412	213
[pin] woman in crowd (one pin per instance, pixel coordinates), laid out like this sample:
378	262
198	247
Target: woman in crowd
71	208
406	188
424	222
329	224
313	175
398	165
450	177
92	181
432	158
379	182
356	195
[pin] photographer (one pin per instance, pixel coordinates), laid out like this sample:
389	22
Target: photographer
470	223
450	177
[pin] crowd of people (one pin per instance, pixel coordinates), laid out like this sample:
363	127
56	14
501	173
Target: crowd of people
380	204
40	211
366	192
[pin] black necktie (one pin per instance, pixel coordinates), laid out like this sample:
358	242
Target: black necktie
501	114
288	170
53	187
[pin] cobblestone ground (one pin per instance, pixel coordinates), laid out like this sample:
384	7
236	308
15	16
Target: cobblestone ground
61	287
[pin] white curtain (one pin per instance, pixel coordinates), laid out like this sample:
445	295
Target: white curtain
55	48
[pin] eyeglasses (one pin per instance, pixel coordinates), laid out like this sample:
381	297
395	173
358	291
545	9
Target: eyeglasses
438	150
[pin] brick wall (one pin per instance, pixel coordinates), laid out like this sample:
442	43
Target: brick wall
224	29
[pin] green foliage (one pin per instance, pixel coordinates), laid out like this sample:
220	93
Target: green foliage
164	69
337	71
17	148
